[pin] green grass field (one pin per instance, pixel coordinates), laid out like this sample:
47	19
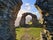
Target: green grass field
35	32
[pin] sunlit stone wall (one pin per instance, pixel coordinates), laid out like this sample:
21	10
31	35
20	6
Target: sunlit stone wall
46	7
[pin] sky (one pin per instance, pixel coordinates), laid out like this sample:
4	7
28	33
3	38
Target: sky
27	6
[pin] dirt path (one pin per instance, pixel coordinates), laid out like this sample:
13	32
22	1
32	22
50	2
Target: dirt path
27	36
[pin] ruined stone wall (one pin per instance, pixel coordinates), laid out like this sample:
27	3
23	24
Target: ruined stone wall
22	21
35	21
46	7
8	14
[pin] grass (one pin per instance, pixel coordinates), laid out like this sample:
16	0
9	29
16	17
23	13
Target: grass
35	32
29	23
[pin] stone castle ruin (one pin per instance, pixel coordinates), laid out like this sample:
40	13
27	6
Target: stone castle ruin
35	21
8	14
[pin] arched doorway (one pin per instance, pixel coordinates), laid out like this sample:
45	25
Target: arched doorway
34	20
28	19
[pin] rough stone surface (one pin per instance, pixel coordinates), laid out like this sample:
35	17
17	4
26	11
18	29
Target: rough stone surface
47	8
8	14
34	20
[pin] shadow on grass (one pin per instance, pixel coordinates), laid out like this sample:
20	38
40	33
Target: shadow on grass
29	26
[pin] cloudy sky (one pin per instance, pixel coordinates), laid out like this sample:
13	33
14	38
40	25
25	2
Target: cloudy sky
27	6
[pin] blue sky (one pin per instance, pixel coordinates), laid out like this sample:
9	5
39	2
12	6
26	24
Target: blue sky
28	6
30	3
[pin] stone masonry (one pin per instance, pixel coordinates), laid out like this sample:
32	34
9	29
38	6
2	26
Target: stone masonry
8	14
46	7
35	21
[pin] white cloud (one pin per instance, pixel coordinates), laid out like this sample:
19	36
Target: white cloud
27	6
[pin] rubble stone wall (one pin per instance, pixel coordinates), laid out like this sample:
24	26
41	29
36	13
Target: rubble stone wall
8	14
46	7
